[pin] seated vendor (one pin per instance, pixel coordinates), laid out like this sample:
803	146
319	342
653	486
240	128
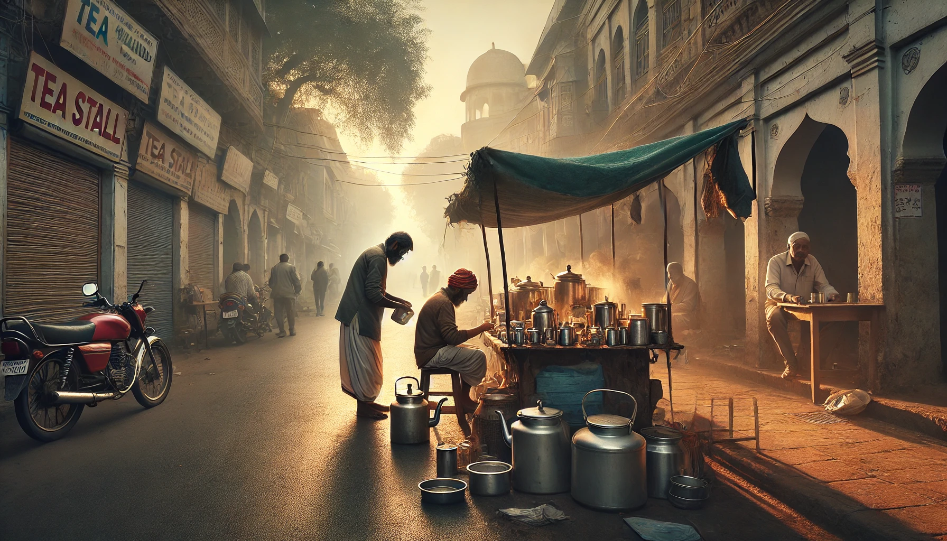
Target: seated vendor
790	277
437	340
685	298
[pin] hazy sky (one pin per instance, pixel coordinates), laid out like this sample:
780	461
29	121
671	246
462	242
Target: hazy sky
462	30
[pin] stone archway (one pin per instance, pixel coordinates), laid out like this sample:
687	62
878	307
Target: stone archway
233	237
256	256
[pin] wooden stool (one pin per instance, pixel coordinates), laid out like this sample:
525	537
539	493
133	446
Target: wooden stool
456	391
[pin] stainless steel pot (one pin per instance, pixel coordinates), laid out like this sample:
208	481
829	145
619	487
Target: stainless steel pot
566	335
544	317
541	450
605	313
442	490
608	461
594	294
409	414
623	336
569	292
489	478
611	337
638	332
665	458
657	315
525	296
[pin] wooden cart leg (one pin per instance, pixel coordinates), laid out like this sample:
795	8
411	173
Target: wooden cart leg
815	357
874	334
756	423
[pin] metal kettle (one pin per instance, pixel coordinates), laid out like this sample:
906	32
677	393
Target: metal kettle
409	414
541	450
608	461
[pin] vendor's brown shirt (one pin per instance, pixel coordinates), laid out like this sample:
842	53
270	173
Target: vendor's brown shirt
436	328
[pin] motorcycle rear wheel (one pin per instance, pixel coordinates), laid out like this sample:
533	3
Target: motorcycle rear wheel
154	377
40	419
239	334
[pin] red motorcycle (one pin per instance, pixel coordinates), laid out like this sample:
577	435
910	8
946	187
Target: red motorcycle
54	370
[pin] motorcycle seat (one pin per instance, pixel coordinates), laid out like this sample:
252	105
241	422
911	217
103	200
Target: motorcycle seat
70	332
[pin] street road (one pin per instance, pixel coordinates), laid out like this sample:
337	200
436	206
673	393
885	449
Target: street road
259	442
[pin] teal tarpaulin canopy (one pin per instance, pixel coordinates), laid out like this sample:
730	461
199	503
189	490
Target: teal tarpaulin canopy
533	190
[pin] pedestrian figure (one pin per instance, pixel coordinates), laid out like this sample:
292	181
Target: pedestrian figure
285	285
360	313
320	282
435	281
333	280
685	298
424	280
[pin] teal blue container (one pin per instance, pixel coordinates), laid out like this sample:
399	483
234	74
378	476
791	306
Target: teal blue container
562	387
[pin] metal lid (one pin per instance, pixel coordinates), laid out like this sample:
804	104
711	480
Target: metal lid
498	397
543	308
606	302
661	433
607	420
529	284
539	412
569	276
410	392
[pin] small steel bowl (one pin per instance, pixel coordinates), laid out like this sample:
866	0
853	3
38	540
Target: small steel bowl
489	478
442	490
689	488
685	503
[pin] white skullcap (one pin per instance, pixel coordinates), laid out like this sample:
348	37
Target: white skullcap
796	236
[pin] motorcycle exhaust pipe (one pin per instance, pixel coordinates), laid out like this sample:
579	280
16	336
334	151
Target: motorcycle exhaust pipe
66	397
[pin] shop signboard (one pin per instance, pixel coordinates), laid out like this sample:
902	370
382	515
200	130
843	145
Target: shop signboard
161	157
187	115
58	103
237	170
271	180
294	214
209	191
103	36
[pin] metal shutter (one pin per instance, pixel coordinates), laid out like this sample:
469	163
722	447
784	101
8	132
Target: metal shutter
52	234
150	225
200	245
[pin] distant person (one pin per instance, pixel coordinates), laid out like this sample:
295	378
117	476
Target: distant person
685	298
238	282
333	280
320	282
437	340
285	285
360	313
435	281
424	281
790	277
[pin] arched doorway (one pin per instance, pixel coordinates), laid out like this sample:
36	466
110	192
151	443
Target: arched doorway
255	244
233	237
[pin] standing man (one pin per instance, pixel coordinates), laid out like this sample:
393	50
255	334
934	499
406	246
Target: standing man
360	312
424	280
685	298
435	278
320	282
437	340
790	277
285	285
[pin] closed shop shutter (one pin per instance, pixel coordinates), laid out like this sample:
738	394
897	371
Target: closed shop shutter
202	224
150	226
52	233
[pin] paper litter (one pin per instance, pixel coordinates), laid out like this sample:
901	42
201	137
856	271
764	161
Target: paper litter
537	516
655	530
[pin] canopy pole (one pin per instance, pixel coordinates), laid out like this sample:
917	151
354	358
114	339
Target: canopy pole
506	282
613	239
486	252
667	292
581	243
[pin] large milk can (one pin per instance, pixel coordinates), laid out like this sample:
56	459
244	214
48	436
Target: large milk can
608	461
540	442
410	415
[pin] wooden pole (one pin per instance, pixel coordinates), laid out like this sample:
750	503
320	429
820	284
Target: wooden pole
667	350
486	251
581	243
506	282
613	239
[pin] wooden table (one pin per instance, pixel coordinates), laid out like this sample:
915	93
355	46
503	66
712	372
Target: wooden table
837	311
203	308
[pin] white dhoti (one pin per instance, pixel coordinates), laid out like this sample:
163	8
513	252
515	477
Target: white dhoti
470	362
359	363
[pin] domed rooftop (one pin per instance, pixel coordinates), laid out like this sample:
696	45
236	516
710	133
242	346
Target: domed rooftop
495	66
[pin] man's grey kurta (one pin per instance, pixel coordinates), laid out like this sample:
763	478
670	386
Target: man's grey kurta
364	293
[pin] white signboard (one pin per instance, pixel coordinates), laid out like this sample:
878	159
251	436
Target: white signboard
105	37
58	103
164	159
237	170
271	180
907	201
294	214
187	115
208	190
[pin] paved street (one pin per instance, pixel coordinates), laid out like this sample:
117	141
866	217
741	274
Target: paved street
260	442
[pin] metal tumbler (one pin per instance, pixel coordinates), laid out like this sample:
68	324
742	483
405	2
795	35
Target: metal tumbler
446	460
851	298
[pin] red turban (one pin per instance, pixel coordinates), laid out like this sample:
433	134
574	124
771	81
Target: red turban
463	279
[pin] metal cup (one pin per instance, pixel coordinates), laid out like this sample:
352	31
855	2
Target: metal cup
816	298
851	297
446	460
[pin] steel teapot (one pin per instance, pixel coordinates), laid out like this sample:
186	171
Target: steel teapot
540	442
409	414
608	461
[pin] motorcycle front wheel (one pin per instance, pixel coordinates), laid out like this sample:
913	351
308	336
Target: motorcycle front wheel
38	416
154	377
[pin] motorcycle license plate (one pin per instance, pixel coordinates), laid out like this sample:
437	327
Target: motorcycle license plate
14	368
230	314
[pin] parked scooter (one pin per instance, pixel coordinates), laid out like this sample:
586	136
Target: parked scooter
239	319
54	370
